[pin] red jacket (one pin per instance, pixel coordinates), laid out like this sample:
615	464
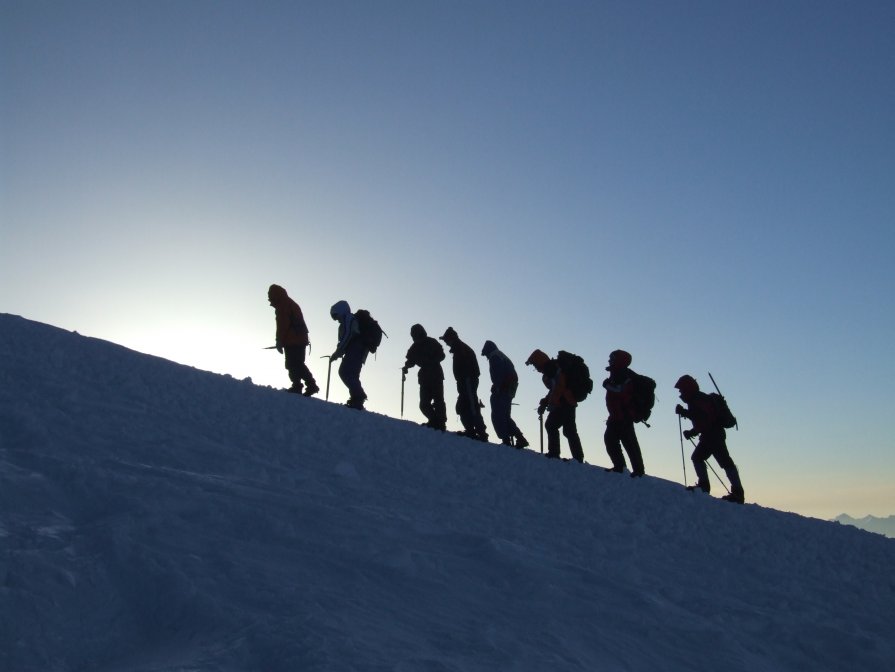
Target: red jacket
703	413
620	396
291	328
559	390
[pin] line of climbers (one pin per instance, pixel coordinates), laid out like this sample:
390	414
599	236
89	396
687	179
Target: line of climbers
427	353
629	395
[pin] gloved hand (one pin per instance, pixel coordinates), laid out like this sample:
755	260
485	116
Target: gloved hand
279	348
542	406
404	371
690	433
679	410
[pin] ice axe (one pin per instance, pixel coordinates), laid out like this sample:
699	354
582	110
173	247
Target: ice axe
403	378
329	368
719	394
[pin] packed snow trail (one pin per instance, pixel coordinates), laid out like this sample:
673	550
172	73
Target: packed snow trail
154	517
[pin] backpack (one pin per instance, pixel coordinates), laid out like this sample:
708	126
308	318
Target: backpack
370	331
577	375
725	418
432	351
643	397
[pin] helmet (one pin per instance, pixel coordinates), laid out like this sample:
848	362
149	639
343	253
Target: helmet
619	359
687	384
538	359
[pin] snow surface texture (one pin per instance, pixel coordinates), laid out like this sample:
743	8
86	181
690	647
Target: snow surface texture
157	517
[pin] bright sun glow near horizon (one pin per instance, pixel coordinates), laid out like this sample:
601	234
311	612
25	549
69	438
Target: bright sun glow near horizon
709	188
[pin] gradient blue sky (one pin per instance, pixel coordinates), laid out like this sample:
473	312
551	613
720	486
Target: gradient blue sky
709	185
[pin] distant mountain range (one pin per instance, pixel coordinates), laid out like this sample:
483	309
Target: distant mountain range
884	526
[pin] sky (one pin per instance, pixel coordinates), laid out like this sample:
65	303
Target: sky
707	185
159	518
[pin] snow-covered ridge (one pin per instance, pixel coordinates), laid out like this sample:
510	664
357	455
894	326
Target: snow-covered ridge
157	517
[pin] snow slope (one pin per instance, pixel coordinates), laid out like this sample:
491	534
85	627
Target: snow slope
157	517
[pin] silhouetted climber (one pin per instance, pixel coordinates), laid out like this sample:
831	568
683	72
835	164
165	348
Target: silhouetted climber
620	423
504	382
353	351
292	339
427	353
703	411
560	404
466	373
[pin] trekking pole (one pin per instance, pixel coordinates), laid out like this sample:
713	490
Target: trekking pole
541	418
403	378
269	347
329	369
709	465
720	480
680	431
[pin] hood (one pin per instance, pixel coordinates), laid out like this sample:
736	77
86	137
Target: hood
417	332
276	294
340	310
488	348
